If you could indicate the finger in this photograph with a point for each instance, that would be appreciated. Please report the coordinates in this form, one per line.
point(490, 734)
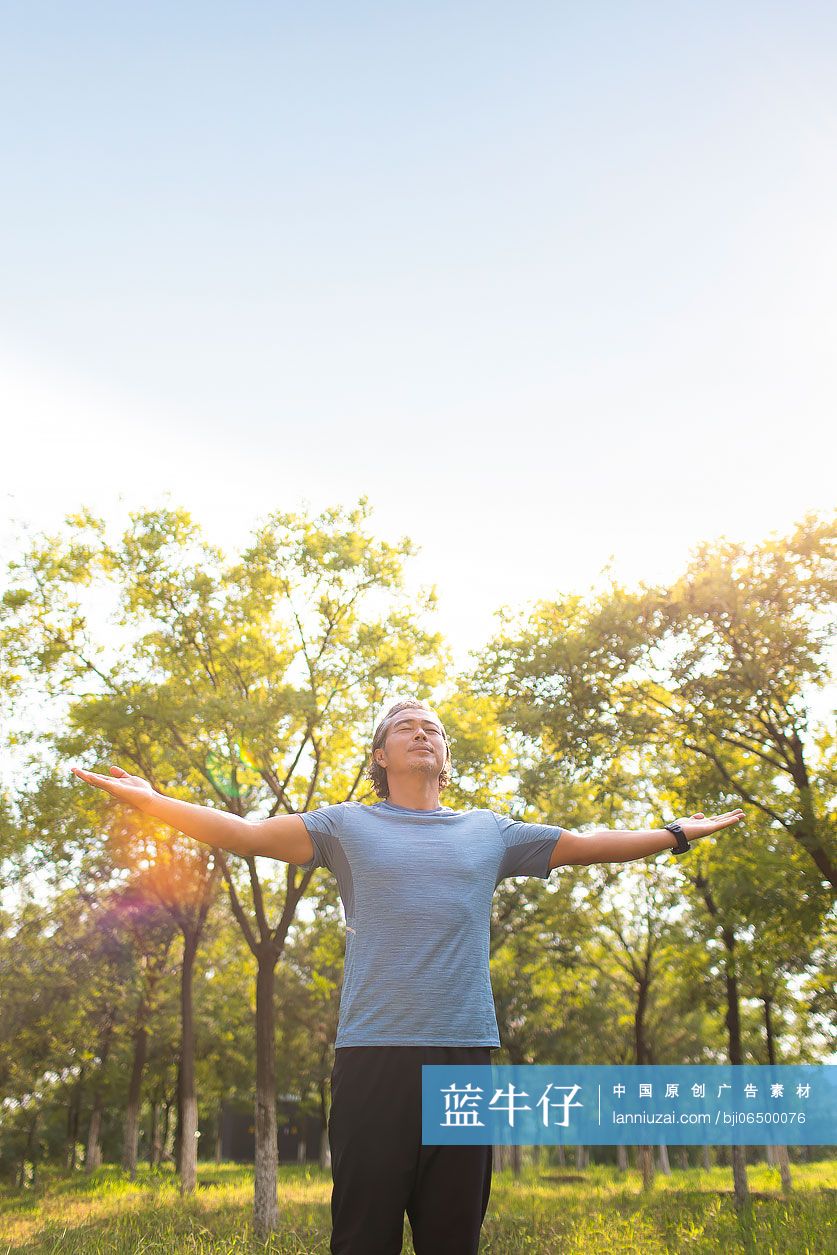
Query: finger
point(117, 771)
point(92, 778)
point(101, 782)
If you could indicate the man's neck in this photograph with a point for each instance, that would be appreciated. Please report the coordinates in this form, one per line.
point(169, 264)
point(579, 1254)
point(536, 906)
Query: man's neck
point(418, 795)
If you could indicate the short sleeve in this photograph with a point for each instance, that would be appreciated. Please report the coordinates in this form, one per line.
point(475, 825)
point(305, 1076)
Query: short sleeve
point(324, 830)
point(528, 847)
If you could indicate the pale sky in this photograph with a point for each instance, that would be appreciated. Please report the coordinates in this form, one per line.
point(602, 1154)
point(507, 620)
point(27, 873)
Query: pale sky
point(553, 284)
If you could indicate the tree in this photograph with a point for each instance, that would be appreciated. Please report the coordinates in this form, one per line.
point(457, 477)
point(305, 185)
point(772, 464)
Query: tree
point(225, 1020)
point(251, 685)
point(310, 993)
point(746, 635)
point(725, 662)
point(150, 933)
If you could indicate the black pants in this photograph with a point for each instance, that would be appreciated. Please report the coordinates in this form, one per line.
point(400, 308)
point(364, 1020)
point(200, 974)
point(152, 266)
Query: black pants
point(380, 1167)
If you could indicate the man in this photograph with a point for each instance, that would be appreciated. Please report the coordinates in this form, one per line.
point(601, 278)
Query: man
point(416, 879)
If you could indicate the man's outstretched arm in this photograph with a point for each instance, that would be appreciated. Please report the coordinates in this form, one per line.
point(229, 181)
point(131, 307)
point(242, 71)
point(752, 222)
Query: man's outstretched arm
point(618, 845)
point(282, 837)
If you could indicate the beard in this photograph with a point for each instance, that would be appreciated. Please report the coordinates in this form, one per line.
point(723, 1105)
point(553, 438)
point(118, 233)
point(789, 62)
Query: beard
point(425, 763)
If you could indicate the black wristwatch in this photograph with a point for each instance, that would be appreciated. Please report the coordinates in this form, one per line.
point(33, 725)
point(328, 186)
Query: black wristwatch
point(682, 844)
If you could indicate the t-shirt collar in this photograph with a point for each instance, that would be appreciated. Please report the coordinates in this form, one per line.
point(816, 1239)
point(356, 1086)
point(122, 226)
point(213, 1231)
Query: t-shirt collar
point(410, 810)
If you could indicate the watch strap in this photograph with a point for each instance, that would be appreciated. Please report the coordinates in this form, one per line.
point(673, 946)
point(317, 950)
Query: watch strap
point(682, 842)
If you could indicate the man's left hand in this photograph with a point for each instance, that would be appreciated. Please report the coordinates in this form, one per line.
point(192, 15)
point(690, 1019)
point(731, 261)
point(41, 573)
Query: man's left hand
point(700, 825)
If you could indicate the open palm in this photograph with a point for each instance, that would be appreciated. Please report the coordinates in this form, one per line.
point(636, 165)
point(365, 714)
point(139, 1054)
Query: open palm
point(127, 788)
point(700, 825)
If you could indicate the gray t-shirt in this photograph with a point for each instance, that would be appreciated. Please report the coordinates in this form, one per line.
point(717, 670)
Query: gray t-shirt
point(417, 888)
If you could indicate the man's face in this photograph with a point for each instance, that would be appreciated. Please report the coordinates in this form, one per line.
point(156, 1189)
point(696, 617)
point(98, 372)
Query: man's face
point(414, 741)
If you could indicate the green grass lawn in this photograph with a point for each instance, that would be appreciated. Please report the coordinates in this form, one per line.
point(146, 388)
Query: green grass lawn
point(549, 1209)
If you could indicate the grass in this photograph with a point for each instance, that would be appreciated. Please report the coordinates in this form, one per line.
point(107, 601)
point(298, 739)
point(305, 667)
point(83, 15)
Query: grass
point(597, 1212)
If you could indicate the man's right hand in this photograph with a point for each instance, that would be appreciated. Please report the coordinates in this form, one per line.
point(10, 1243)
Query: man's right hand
point(283, 837)
point(127, 788)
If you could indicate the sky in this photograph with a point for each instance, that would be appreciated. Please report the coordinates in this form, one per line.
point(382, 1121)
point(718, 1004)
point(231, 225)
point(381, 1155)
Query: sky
point(552, 284)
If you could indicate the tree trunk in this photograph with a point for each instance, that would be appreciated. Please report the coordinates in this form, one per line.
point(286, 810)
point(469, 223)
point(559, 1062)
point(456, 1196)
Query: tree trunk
point(73, 1117)
point(515, 1160)
point(325, 1149)
point(178, 1113)
point(645, 1154)
point(266, 1209)
point(640, 1048)
point(646, 1164)
point(93, 1155)
point(780, 1153)
point(169, 1135)
point(156, 1139)
point(665, 1166)
point(622, 1158)
point(767, 1003)
point(739, 1175)
point(733, 1015)
point(219, 1133)
point(683, 1158)
point(70, 1149)
point(741, 1187)
point(562, 1158)
point(733, 1021)
point(28, 1153)
point(806, 832)
point(132, 1111)
point(707, 1160)
point(188, 1097)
